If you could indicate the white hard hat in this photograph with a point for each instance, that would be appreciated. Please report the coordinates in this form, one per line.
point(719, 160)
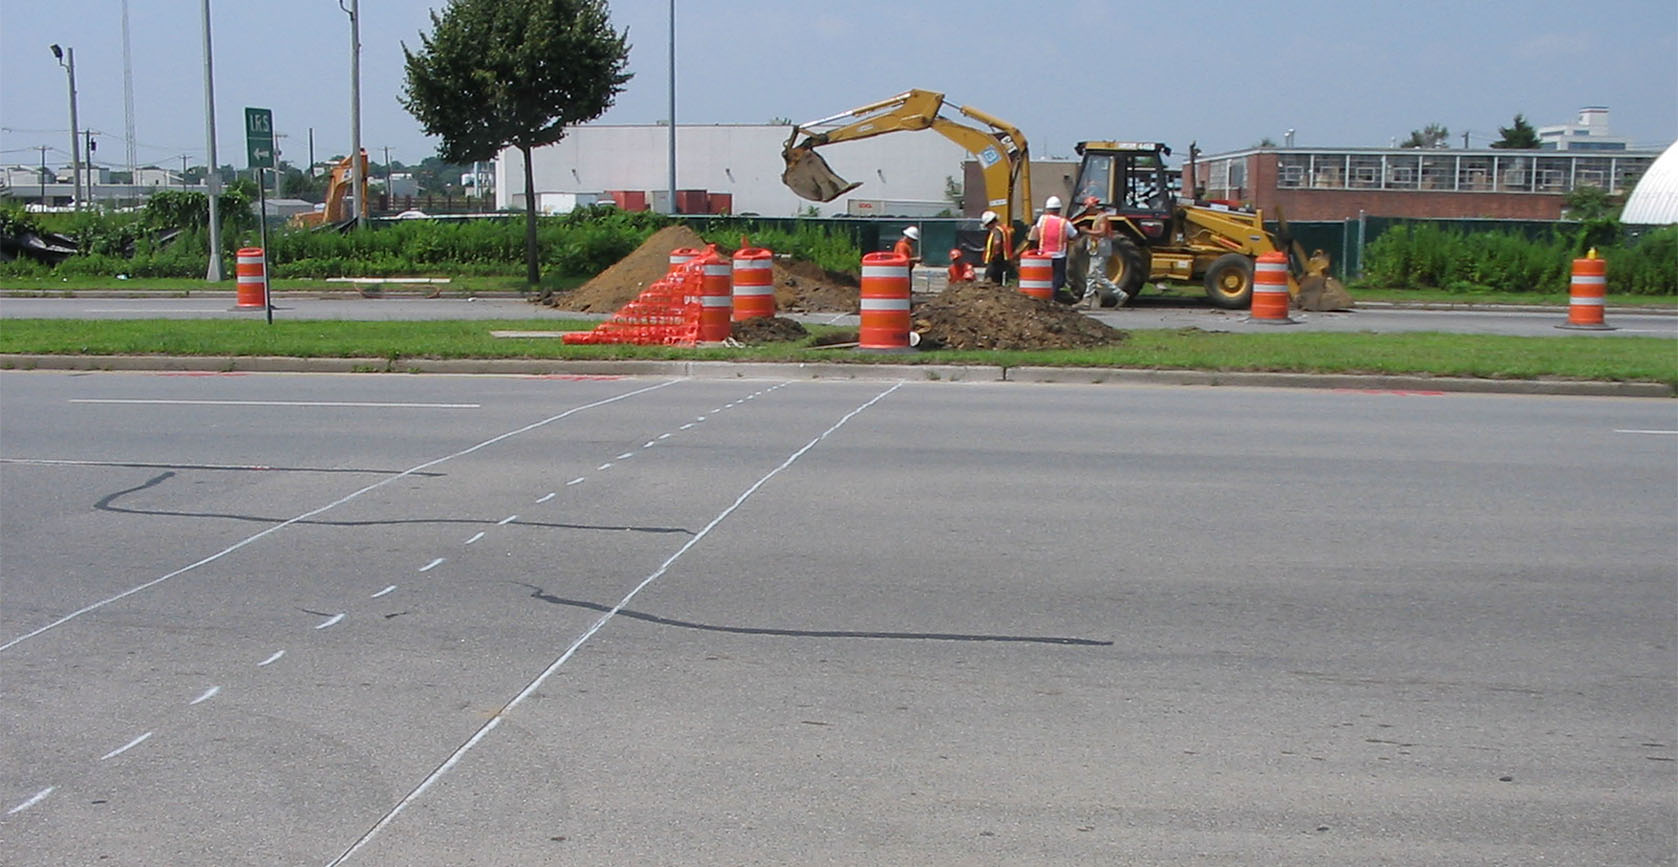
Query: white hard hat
point(987, 218)
point(1053, 204)
point(912, 233)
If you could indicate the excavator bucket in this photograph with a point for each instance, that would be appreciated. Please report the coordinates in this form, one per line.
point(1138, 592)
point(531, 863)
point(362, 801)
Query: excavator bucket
point(808, 175)
point(1318, 289)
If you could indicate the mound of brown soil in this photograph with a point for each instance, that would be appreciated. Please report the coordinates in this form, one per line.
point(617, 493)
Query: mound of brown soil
point(768, 329)
point(799, 285)
point(987, 316)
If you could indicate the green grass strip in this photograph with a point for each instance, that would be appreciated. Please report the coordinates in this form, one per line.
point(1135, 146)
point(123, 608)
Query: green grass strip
point(1565, 356)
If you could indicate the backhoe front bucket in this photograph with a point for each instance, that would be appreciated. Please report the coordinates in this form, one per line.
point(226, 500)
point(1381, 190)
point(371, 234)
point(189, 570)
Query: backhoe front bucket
point(1318, 289)
point(808, 175)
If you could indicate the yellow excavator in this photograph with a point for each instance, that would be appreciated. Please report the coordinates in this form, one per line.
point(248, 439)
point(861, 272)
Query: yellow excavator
point(1000, 148)
point(338, 207)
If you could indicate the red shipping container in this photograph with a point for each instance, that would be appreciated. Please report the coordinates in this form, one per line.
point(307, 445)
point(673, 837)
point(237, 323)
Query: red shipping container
point(629, 200)
point(691, 202)
point(720, 203)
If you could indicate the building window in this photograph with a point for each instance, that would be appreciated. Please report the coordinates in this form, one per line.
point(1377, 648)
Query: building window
point(1439, 172)
point(1292, 170)
point(1551, 174)
point(1364, 172)
point(1514, 174)
point(1401, 172)
point(1328, 172)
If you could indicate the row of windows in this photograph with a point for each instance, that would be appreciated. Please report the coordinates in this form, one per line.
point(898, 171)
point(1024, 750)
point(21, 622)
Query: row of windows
point(1458, 173)
point(1438, 172)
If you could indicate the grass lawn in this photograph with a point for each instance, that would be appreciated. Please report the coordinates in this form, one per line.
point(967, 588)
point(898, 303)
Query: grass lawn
point(1624, 359)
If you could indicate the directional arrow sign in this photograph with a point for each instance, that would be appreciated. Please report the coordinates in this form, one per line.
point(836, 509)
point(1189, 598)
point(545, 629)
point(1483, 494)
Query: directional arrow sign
point(259, 138)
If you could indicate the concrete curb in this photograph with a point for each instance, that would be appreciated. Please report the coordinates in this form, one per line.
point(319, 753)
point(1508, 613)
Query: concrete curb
point(835, 371)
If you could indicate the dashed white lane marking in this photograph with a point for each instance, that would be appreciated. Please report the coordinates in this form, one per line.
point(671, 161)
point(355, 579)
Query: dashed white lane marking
point(208, 694)
point(339, 403)
point(604, 466)
point(663, 436)
point(475, 538)
point(272, 659)
point(126, 747)
point(544, 499)
point(688, 425)
point(483, 732)
point(507, 520)
point(39, 797)
point(575, 481)
point(625, 456)
point(331, 621)
point(332, 505)
point(389, 589)
point(433, 564)
point(1633, 431)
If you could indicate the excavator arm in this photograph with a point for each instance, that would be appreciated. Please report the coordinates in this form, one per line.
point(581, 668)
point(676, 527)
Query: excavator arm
point(1001, 149)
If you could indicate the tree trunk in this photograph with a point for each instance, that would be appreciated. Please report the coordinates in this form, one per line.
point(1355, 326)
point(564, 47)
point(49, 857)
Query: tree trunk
point(532, 270)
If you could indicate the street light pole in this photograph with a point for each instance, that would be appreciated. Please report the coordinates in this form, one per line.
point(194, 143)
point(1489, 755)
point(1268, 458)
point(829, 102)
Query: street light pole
point(212, 181)
point(67, 59)
point(358, 179)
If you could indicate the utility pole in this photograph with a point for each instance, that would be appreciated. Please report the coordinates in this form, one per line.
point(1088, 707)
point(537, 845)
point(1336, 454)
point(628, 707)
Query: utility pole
point(358, 179)
point(128, 109)
point(672, 106)
point(183, 172)
point(43, 175)
point(213, 180)
point(67, 59)
point(390, 200)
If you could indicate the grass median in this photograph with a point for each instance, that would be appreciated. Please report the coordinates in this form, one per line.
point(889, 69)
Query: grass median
point(1582, 357)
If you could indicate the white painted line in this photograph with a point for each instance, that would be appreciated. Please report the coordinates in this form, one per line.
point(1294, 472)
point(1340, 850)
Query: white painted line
point(603, 467)
point(507, 520)
point(546, 497)
point(576, 481)
point(688, 425)
point(530, 688)
point(366, 404)
point(1632, 431)
point(649, 444)
point(331, 621)
point(125, 747)
point(625, 456)
point(332, 505)
point(208, 693)
point(475, 538)
point(271, 659)
point(703, 417)
point(39, 797)
point(433, 564)
point(383, 592)
point(664, 436)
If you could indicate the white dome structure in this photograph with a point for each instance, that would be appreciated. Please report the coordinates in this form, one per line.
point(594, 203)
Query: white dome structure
point(1654, 201)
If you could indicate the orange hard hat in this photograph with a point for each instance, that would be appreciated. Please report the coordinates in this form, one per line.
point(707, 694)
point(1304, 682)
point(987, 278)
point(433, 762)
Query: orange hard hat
point(1091, 201)
point(954, 255)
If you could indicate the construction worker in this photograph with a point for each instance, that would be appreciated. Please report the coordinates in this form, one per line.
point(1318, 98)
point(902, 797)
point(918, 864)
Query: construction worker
point(906, 245)
point(999, 248)
point(1052, 234)
point(1098, 242)
point(960, 272)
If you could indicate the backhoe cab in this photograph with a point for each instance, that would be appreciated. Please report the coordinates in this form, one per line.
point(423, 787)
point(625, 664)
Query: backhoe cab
point(1159, 236)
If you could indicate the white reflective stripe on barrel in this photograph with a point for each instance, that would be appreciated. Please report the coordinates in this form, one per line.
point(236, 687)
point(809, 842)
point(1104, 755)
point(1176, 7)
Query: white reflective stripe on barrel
point(1588, 301)
point(885, 304)
point(753, 290)
point(884, 271)
point(1590, 280)
point(752, 264)
point(715, 301)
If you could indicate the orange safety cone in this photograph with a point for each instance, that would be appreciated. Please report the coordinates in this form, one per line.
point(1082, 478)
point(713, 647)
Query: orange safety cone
point(1270, 290)
point(1037, 275)
point(1587, 294)
point(884, 304)
point(252, 271)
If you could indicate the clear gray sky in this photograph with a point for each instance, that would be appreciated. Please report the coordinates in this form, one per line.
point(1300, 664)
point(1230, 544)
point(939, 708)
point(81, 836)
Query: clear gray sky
point(1226, 74)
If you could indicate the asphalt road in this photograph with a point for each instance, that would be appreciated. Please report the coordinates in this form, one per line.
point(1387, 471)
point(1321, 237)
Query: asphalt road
point(435, 620)
point(1148, 312)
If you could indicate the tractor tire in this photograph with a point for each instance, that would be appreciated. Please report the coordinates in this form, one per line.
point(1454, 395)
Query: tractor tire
point(1229, 282)
point(1129, 269)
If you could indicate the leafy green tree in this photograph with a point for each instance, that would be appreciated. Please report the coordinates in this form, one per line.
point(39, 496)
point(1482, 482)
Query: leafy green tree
point(514, 73)
point(1431, 136)
point(1520, 136)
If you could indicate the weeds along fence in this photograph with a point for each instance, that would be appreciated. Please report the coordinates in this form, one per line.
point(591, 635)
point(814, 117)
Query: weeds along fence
point(1454, 255)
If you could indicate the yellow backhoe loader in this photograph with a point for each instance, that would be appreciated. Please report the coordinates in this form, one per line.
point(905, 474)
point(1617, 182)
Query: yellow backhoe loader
point(1001, 149)
point(1158, 236)
point(338, 207)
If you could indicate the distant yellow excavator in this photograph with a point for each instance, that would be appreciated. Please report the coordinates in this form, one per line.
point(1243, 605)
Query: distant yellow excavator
point(1000, 148)
point(338, 207)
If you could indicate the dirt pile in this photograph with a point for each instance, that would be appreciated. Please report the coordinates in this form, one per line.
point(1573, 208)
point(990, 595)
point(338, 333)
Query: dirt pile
point(987, 316)
point(768, 329)
point(799, 286)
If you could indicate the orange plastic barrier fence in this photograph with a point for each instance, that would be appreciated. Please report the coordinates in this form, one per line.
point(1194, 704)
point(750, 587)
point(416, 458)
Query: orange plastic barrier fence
point(665, 313)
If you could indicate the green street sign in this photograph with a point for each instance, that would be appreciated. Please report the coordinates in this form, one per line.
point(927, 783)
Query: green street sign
point(259, 138)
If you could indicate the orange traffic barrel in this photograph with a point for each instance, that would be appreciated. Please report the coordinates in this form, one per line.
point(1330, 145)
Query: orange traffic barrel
point(681, 256)
point(885, 303)
point(252, 271)
point(1037, 275)
point(1270, 289)
point(754, 283)
point(716, 299)
point(1587, 293)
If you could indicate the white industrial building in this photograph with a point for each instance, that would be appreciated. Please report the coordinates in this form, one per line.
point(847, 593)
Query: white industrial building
point(902, 174)
point(1654, 201)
